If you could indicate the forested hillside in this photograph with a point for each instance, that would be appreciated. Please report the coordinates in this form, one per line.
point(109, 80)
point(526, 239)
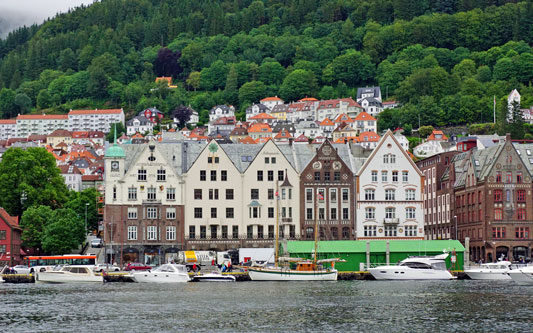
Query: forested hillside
point(444, 60)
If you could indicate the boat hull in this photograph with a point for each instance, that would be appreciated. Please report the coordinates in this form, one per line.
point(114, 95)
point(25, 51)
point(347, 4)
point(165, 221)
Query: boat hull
point(151, 277)
point(57, 277)
point(221, 278)
point(404, 273)
point(485, 275)
point(524, 278)
point(257, 274)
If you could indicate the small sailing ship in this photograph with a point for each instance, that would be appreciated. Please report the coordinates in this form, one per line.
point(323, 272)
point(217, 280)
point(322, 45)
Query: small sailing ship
point(305, 269)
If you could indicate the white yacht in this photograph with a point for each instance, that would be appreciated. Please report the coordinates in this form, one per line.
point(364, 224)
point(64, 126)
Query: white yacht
point(213, 277)
point(490, 271)
point(522, 276)
point(414, 268)
point(69, 274)
point(167, 273)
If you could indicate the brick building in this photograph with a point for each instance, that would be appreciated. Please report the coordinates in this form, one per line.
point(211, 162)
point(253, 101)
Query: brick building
point(10, 232)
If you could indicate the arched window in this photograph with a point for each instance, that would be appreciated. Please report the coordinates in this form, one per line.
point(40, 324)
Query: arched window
point(345, 233)
point(309, 233)
point(334, 233)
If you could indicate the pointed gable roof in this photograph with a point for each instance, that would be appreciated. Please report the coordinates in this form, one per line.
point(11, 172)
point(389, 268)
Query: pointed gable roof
point(343, 118)
point(283, 134)
point(301, 138)
point(326, 122)
point(260, 128)
point(248, 140)
point(363, 116)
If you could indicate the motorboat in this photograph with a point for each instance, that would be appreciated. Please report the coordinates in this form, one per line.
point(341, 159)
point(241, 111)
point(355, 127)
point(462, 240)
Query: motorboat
point(69, 274)
point(522, 276)
point(167, 273)
point(490, 271)
point(214, 276)
point(414, 268)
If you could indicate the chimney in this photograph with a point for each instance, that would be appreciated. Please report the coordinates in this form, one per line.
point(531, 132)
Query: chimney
point(508, 137)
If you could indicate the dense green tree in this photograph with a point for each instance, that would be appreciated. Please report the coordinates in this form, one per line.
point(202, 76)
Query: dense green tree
point(120, 130)
point(193, 80)
point(353, 68)
point(65, 232)
point(30, 178)
point(67, 60)
point(214, 76)
point(7, 103)
point(33, 223)
point(298, 84)
point(83, 202)
point(425, 131)
point(23, 102)
point(252, 92)
point(271, 72)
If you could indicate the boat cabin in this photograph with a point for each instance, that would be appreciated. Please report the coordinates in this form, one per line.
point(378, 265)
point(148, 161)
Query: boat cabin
point(305, 266)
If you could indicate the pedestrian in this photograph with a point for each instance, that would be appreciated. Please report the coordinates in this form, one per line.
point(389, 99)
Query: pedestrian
point(194, 267)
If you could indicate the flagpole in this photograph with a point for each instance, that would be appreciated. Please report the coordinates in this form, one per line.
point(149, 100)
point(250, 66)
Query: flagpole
point(494, 109)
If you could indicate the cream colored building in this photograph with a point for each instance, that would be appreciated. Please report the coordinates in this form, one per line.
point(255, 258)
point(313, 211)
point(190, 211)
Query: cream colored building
point(40, 124)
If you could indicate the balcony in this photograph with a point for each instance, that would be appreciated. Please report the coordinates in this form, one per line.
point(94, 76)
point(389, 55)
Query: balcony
point(286, 220)
point(394, 220)
point(151, 202)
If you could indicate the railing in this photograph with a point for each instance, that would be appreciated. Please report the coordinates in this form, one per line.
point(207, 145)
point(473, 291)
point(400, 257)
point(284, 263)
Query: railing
point(151, 201)
point(286, 219)
point(391, 220)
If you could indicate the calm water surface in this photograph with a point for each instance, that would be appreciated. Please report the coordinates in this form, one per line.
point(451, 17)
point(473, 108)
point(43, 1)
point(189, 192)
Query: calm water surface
point(377, 306)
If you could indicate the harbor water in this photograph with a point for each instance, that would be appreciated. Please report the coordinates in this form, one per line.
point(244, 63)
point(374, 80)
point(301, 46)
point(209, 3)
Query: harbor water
point(377, 306)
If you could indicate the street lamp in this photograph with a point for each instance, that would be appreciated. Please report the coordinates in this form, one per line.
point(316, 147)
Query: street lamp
point(455, 219)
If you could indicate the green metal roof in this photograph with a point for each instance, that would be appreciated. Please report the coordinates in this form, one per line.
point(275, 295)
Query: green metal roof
point(115, 151)
point(420, 246)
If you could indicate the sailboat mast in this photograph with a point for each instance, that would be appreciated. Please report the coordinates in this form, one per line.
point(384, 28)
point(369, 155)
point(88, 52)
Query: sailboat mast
point(316, 225)
point(276, 249)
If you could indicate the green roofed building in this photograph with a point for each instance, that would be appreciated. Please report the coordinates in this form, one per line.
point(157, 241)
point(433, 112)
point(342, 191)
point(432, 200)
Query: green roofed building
point(354, 252)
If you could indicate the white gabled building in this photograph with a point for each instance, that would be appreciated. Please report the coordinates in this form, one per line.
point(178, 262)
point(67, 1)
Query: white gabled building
point(389, 194)
point(139, 124)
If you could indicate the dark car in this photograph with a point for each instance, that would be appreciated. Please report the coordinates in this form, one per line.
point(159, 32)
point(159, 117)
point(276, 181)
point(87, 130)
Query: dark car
point(137, 266)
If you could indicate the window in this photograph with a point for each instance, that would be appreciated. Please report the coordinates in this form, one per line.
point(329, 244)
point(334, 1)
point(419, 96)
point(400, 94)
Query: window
point(292, 231)
point(345, 214)
point(255, 212)
point(498, 177)
point(317, 176)
point(370, 213)
point(333, 213)
point(250, 231)
point(235, 231)
point(395, 176)
point(281, 175)
point(267, 160)
point(229, 194)
point(521, 214)
point(270, 194)
point(390, 231)
point(321, 214)
point(273, 160)
point(374, 176)
point(224, 175)
point(132, 232)
point(259, 175)
point(509, 177)
point(270, 212)
point(132, 193)
point(309, 213)
point(213, 175)
point(508, 195)
point(225, 231)
point(410, 230)
point(161, 175)
point(210, 159)
point(171, 233)
point(213, 194)
point(260, 231)
point(152, 212)
point(498, 214)
point(333, 195)
point(345, 194)
point(390, 213)
point(410, 194)
point(171, 193)
point(197, 194)
point(370, 230)
point(290, 193)
point(171, 213)
point(308, 195)
point(383, 176)
point(213, 230)
point(334, 233)
point(203, 231)
point(410, 213)
point(521, 195)
point(151, 232)
point(390, 194)
point(197, 212)
point(283, 193)
point(213, 212)
point(230, 213)
point(202, 175)
point(114, 193)
point(326, 176)
point(132, 213)
point(270, 175)
point(141, 175)
point(370, 194)
point(386, 159)
point(321, 194)
point(498, 232)
point(151, 193)
point(192, 231)
point(522, 232)
point(336, 176)
point(519, 177)
point(498, 195)
point(345, 233)
point(254, 194)
point(405, 176)
point(389, 158)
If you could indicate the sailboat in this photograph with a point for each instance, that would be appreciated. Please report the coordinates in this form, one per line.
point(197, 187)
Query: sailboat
point(305, 270)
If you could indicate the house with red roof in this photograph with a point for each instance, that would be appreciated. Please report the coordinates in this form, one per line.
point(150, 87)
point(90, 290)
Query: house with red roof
point(72, 176)
point(365, 123)
point(238, 133)
point(260, 130)
point(332, 108)
point(10, 239)
point(437, 135)
point(327, 126)
point(247, 140)
point(167, 80)
point(369, 140)
point(95, 120)
point(271, 102)
point(283, 136)
point(262, 118)
point(302, 139)
point(343, 130)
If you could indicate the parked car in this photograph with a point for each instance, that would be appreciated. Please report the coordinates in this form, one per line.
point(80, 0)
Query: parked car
point(97, 242)
point(106, 268)
point(20, 269)
point(137, 266)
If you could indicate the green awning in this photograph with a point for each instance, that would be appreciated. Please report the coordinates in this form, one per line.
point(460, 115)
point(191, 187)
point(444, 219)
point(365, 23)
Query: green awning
point(345, 246)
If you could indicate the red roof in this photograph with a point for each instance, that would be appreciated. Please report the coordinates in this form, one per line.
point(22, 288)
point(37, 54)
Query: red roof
point(335, 103)
point(283, 134)
point(91, 177)
point(247, 140)
point(60, 133)
point(301, 138)
point(433, 136)
point(326, 122)
point(369, 137)
point(344, 118)
point(8, 121)
point(107, 111)
point(41, 116)
point(271, 99)
point(363, 116)
point(261, 116)
point(12, 221)
point(260, 128)
point(308, 99)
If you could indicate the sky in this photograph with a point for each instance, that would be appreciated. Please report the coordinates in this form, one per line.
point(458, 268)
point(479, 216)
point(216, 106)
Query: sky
point(16, 13)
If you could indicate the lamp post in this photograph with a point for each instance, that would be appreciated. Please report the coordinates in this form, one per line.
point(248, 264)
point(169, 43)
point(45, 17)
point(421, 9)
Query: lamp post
point(455, 219)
